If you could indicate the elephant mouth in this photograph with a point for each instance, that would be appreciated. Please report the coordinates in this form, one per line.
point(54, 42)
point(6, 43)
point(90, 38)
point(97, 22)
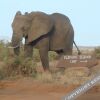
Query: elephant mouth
point(15, 44)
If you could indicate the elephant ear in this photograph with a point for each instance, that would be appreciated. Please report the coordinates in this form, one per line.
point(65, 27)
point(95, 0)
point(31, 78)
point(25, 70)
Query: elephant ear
point(41, 25)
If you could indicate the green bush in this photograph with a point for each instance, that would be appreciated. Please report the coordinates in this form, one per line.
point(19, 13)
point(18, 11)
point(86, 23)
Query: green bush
point(97, 52)
point(2, 74)
point(20, 65)
point(14, 65)
point(52, 55)
point(5, 52)
point(36, 56)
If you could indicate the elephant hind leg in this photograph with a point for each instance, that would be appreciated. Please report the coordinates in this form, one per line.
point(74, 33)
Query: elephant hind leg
point(66, 51)
point(59, 51)
point(69, 43)
point(69, 47)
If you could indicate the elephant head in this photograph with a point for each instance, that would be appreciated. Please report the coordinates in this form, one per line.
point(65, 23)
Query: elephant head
point(32, 26)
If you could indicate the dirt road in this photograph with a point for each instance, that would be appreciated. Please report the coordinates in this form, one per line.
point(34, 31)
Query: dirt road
point(28, 89)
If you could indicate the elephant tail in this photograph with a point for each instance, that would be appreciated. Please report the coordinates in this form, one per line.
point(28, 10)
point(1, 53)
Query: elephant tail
point(79, 52)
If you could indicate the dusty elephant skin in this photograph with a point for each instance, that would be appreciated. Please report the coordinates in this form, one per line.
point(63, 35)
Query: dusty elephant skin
point(42, 31)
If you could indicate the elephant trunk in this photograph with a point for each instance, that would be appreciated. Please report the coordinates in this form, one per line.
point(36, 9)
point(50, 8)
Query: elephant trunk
point(16, 39)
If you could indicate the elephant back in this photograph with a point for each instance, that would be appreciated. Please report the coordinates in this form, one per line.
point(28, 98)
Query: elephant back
point(41, 24)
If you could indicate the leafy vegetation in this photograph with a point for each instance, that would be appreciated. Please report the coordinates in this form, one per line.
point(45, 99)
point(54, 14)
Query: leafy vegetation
point(97, 52)
point(12, 66)
point(18, 65)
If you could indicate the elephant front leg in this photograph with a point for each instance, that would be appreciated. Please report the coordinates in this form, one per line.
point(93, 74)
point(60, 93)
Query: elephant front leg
point(28, 49)
point(44, 58)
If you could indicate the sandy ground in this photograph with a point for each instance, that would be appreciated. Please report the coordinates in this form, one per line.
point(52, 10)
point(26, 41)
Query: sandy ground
point(28, 89)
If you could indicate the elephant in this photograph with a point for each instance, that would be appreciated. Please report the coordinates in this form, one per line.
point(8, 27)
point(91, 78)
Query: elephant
point(46, 32)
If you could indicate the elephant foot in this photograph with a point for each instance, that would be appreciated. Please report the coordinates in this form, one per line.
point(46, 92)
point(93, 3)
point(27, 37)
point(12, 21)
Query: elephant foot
point(47, 70)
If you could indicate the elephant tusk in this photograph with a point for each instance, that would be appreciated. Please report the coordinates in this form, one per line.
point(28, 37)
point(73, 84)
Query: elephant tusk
point(14, 47)
point(11, 47)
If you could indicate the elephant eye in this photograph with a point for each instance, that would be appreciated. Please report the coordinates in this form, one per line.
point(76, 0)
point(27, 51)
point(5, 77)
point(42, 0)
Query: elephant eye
point(22, 28)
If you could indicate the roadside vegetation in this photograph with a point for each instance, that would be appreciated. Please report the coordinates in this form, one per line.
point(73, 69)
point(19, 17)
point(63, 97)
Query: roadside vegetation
point(12, 66)
point(97, 52)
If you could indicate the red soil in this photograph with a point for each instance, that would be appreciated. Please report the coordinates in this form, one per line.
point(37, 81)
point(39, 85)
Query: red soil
point(28, 89)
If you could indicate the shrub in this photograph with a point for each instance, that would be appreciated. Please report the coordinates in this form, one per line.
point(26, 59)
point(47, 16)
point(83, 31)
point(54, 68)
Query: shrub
point(14, 65)
point(2, 73)
point(97, 52)
point(5, 52)
point(20, 66)
point(52, 55)
point(36, 56)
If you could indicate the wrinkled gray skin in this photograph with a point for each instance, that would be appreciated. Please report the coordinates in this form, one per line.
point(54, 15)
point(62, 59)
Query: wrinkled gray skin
point(52, 33)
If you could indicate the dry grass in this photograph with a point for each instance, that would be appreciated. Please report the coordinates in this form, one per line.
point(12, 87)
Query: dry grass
point(11, 66)
point(65, 77)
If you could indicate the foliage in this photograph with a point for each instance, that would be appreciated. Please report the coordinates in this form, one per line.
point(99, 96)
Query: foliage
point(14, 65)
point(3, 50)
point(97, 52)
point(19, 65)
point(52, 55)
point(36, 56)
